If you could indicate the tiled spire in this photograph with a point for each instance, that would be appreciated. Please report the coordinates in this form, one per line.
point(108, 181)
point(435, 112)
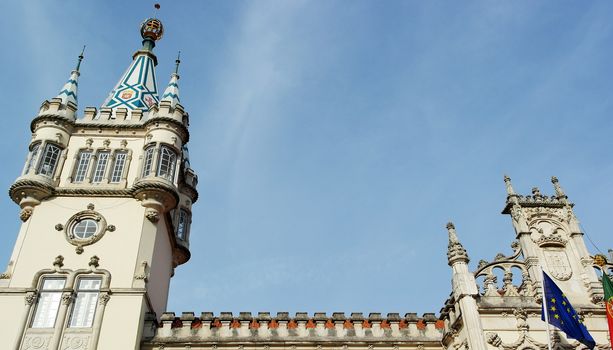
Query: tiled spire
point(172, 90)
point(137, 88)
point(69, 90)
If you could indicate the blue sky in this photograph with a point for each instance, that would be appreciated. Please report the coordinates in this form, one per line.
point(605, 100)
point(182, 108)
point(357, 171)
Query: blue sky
point(335, 139)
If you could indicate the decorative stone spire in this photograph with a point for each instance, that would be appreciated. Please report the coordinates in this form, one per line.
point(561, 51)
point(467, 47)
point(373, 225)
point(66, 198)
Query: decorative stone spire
point(171, 93)
point(455, 250)
point(137, 88)
point(69, 91)
point(509, 186)
point(559, 191)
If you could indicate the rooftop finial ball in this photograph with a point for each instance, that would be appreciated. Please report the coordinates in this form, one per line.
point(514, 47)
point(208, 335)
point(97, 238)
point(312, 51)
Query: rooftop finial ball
point(152, 28)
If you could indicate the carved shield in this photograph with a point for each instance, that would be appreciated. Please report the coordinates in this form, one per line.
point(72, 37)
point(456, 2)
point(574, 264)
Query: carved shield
point(558, 264)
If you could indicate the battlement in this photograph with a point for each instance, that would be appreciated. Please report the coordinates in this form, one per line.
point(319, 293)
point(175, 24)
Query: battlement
point(300, 327)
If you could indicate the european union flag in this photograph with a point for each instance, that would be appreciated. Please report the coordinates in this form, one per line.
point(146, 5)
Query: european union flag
point(562, 315)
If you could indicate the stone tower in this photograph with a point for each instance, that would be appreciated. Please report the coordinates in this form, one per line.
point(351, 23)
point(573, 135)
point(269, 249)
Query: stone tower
point(106, 208)
point(498, 306)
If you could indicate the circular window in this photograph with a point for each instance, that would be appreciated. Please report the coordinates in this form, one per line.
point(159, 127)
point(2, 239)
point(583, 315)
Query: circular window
point(85, 228)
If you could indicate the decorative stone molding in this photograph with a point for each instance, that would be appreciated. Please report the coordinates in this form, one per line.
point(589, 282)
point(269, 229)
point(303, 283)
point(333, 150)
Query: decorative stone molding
point(552, 240)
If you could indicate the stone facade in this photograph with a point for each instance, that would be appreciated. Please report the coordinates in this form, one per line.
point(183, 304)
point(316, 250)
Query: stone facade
point(106, 206)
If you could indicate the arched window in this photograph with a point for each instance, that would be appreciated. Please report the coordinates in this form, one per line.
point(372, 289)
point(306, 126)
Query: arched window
point(103, 159)
point(148, 161)
point(82, 165)
point(120, 162)
point(84, 309)
point(183, 225)
point(166, 164)
point(32, 159)
point(49, 160)
point(48, 302)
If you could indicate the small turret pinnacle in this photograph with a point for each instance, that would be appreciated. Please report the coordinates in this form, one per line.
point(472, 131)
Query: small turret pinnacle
point(509, 186)
point(171, 93)
point(69, 90)
point(455, 250)
point(80, 59)
point(177, 62)
point(559, 191)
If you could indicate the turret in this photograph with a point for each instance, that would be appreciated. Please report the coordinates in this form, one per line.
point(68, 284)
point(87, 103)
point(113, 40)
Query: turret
point(51, 131)
point(550, 237)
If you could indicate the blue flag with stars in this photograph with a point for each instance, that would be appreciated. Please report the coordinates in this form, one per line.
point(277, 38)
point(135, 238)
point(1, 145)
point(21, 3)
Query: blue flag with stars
point(562, 315)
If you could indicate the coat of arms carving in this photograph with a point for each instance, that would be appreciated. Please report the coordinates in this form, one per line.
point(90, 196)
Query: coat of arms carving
point(558, 264)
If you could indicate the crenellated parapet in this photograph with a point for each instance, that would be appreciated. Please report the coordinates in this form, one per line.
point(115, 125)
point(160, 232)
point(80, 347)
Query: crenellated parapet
point(318, 329)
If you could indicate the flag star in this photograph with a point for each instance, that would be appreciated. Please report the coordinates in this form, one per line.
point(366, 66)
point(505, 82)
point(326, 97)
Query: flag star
point(553, 300)
point(553, 308)
point(567, 309)
point(563, 302)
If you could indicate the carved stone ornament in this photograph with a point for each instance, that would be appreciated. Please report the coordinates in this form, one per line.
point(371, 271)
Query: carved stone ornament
point(58, 261)
point(36, 342)
point(493, 339)
point(67, 298)
point(75, 342)
point(482, 263)
point(143, 272)
point(558, 264)
point(30, 298)
point(9, 271)
point(94, 261)
point(25, 214)
point(152, 215)
point(104, 298)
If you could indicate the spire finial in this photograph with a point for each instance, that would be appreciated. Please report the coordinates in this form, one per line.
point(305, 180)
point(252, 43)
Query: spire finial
point(453, 237)
point(509, 186)
point(455, 250)
point(559, 191)
point(80, 59)
point(177, 62)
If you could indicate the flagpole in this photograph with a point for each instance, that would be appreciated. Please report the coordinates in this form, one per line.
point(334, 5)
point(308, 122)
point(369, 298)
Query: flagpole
point(545, 311)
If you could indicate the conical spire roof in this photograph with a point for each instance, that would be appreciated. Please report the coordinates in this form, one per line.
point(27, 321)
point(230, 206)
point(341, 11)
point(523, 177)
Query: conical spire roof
point(172, 90)
point(137, 87)
point(68, 93)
